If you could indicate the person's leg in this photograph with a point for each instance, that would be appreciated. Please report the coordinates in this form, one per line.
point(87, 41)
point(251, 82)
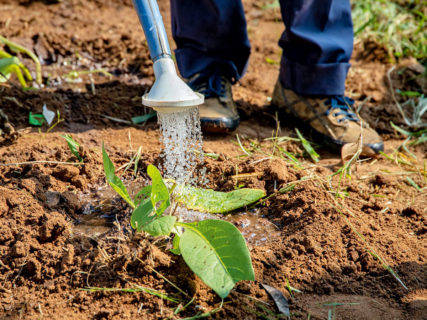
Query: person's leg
point(317, 46)
point(210, 34)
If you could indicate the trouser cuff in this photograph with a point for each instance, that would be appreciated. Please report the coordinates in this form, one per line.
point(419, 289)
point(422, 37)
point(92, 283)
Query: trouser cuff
point(318, 79)
point(191, 61)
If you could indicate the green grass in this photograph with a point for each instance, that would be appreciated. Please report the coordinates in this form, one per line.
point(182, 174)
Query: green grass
point(398, 25)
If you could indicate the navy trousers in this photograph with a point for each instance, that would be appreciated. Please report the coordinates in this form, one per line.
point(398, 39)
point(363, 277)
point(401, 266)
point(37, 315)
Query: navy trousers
point(317, 42)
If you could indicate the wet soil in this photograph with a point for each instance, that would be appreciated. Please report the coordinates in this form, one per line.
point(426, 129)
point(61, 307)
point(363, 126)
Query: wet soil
point(51, 247)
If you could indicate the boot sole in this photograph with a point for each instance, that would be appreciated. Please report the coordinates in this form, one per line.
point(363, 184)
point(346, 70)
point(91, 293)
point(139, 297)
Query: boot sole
point(221, 125)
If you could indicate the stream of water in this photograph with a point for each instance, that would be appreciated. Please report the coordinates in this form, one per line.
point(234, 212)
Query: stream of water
point(182, 145)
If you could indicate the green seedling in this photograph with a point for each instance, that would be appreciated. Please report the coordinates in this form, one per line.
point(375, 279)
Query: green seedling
point(291, 289)
point(58, 121)
point(214, 250)
point(73, 145)
point(17, 48)
point(307, 146)
point(12, 65)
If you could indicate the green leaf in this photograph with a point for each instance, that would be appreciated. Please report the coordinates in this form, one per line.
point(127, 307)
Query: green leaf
point(175, 243)
point(142, 194)
point(142, 219)
point(142, 215)
point(73, 145)
point(9, 65)
point(160, 226)
point(159, 191)
point(216, 252)
point(113, 180)
point(207, 200)
point(307, 146)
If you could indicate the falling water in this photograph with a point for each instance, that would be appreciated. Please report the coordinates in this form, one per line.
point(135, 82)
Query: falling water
point(182, 140)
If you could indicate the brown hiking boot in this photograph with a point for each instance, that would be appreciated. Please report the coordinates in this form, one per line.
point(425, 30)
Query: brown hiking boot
point(219, 112)
point(331, 119)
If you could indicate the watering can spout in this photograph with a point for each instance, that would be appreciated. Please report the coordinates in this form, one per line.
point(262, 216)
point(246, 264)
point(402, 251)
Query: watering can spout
point(169, 92)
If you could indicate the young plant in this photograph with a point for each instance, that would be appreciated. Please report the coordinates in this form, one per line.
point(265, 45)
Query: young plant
point(17, 48)
point(214, 250)
point(12, 65)
point(73, 145)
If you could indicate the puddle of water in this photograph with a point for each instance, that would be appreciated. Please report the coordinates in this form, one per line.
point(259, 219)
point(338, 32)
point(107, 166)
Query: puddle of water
point(101, 206)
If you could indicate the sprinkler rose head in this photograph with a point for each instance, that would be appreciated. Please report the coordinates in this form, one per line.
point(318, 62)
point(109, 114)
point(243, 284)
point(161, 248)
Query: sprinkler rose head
point(169, 92)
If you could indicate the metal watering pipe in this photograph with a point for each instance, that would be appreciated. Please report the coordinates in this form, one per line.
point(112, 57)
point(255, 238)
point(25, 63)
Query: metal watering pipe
point(169, 93)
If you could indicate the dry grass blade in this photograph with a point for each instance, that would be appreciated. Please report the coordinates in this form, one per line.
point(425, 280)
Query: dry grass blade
point(132, 290)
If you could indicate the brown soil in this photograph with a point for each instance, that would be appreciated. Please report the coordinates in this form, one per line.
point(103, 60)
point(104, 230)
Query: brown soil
point(45, 262)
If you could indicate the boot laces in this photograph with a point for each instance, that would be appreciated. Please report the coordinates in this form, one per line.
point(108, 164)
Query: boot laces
point(211, 85)
point(343, 104)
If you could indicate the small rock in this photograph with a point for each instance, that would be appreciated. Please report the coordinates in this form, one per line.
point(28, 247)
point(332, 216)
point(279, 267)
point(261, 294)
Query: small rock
point(66, 173)
point(68, 257)
point(20, 249)
point(354, 255)
point(52, 198)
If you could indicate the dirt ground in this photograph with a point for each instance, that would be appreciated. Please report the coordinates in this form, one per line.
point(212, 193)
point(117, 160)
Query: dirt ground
point(322, 245)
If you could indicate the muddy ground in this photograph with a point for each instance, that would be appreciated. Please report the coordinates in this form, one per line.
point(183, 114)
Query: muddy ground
point(48, 253)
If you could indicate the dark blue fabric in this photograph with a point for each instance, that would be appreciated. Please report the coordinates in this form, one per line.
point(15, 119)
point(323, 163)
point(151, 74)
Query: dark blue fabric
point(317, 43)
point(210, 34)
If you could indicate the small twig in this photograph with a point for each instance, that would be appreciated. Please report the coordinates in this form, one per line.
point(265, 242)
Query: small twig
point(39, 162)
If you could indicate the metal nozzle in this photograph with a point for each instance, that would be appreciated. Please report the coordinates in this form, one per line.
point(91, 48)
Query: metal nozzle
point(169, 92)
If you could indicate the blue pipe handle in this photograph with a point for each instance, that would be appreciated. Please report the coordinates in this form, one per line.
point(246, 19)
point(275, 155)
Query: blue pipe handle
point(154, 29)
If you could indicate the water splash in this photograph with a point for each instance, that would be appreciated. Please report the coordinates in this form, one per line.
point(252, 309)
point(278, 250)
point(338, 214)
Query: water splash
point(182, 140)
